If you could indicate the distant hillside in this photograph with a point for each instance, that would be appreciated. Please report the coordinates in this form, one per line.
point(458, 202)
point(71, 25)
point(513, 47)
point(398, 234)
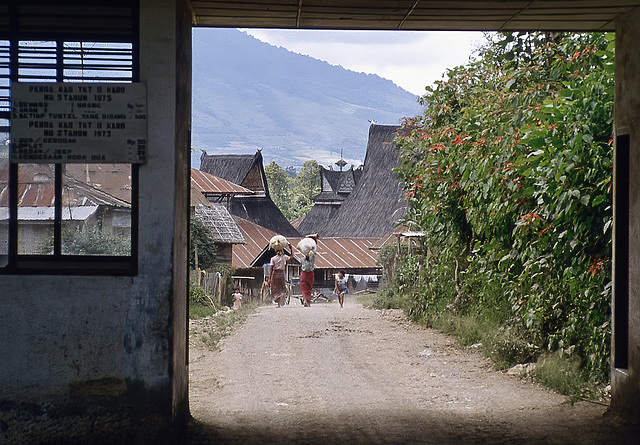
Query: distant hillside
point(248, 94)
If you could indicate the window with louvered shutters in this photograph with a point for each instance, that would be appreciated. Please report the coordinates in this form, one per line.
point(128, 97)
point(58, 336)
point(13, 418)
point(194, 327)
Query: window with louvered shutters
point(66, 218)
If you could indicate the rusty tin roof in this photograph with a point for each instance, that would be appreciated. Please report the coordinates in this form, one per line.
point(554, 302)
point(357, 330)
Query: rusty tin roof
point(213, 185)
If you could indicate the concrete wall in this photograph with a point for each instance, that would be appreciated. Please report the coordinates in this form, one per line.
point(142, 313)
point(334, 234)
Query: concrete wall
point(625, 374)
point(59, 330)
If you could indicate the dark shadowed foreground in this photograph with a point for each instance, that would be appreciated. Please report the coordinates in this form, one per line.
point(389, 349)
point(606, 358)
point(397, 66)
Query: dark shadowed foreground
point(328, 375)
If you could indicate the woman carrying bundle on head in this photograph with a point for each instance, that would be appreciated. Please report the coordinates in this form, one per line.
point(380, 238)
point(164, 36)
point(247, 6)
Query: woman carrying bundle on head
point(308, 247)
point(277, 268)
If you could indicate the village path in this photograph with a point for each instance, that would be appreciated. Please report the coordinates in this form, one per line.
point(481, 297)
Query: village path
point(324, 375)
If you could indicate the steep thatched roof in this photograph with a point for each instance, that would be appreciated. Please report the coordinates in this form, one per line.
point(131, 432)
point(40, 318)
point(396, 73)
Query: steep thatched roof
point(262, 211)
point(223, 228)
point(244, 170)
point(378, 201)
point(248, 171)
point(336, 186)
point(318, 217)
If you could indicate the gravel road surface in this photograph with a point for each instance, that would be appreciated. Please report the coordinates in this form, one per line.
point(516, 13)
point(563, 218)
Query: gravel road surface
point(324, 375)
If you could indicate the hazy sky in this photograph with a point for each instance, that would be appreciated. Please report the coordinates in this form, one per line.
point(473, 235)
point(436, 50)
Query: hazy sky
point(411, 59)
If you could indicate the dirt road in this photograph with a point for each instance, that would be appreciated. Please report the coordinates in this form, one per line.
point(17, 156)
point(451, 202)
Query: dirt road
point(324, 375)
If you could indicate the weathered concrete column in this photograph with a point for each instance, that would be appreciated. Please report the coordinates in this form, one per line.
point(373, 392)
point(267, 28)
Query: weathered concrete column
point(165, 66)
point(625, 366)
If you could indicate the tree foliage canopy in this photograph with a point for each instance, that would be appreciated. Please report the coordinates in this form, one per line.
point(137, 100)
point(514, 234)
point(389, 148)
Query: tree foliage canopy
point(202, 242)
point(508, 171)
point(293, 195)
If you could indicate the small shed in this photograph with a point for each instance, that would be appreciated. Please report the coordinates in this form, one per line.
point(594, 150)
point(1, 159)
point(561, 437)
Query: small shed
point(224, 230)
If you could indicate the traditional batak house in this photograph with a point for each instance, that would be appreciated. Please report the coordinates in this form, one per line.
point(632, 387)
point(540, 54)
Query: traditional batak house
point(359, 206)
point(335, 187)
point(248, 171)
point(378, 200)
point(365, 202)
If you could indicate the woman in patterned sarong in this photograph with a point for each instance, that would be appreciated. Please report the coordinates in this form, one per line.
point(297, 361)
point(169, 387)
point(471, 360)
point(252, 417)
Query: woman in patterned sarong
point(276, 277)
point(306, 279)
point(308, 248)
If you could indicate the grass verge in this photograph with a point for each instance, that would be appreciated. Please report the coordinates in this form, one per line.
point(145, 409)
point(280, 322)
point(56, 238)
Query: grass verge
point(212, 328)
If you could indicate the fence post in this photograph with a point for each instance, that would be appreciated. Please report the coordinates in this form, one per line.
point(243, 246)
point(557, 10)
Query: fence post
point(219, 288)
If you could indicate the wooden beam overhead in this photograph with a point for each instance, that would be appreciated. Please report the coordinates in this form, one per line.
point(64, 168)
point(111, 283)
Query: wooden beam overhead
point(465, 15)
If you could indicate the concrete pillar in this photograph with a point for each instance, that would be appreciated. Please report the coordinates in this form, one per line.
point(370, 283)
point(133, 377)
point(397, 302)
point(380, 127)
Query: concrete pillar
point(165, 66)
point(625, 370)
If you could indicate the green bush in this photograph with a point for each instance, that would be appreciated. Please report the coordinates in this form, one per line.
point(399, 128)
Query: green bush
point(197, 293)
point(563, 374)
point(202, 242)
point(200, 304)
point(508, 172)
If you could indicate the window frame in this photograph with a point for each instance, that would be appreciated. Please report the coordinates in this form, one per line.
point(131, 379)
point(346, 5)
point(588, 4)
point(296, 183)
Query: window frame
point(59, 263)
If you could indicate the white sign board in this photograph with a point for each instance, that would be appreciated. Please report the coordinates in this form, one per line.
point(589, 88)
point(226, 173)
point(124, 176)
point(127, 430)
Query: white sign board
point(78, 123)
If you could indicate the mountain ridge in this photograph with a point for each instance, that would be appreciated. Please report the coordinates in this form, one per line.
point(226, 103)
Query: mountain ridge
point(250, 95)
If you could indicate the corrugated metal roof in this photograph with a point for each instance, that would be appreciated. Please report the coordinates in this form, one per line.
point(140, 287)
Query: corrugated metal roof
point(333, 253)
point(296, 222)
point(113, 179)
point(342, 253)
point(256, 238)
point(213, 185)
point(80, 213)
point(84, 184)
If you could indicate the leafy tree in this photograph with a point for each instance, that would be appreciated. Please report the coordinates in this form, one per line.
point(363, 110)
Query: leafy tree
point(202, 240)
point(279, 187)
point(293, 196)
point(508, 171)
point(307, 181)
point(306, 185)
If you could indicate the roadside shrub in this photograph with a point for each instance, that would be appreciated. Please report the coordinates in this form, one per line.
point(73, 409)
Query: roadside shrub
point(200, 304)
point(202, 245)
point(562, 373)
point(197, 293)
point(508, 172)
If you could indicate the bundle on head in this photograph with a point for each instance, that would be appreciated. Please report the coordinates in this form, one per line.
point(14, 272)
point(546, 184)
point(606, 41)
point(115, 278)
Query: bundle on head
point(278, 242)
point(307, 246)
